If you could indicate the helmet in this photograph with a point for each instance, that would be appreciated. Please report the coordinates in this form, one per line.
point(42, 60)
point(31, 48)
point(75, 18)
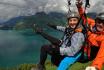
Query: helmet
point(72, 15)
point(100, 16)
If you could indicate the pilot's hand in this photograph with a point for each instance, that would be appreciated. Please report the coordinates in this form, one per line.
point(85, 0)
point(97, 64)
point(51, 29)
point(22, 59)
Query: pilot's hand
point(37, 29)
point(79, 3)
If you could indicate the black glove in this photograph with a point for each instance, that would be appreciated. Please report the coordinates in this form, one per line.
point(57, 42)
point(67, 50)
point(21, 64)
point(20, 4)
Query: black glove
point(79, 3)
point(37, 29)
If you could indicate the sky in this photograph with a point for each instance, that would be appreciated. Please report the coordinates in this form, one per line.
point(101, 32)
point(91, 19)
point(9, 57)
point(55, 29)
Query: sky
point(14, 8)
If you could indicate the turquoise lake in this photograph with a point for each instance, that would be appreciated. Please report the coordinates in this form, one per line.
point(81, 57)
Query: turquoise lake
point(22, 46)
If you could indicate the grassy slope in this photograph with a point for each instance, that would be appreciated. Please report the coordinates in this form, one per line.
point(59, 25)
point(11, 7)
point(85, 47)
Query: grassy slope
point(49, 66)
point(76, 66)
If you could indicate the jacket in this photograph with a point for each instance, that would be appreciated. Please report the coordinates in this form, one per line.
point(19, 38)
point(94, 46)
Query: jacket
point(71, 45)
point(94, 39)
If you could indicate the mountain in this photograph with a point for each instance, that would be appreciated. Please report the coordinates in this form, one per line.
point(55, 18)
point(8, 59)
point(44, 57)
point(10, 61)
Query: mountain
point(39, 18)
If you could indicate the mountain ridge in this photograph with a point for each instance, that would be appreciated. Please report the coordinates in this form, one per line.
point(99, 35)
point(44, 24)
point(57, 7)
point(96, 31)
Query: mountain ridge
point(40, 18)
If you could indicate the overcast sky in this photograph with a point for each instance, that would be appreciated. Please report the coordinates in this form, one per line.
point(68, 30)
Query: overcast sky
point(13, 8)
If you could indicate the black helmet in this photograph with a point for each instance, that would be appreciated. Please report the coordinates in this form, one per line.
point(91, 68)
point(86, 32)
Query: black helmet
point(72, 15)
point(100, 16)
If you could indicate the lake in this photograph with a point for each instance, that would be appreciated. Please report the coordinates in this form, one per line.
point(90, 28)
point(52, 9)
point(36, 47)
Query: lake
point(22, 46)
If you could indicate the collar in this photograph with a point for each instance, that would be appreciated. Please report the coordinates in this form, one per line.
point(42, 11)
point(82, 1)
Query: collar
point(99, 33)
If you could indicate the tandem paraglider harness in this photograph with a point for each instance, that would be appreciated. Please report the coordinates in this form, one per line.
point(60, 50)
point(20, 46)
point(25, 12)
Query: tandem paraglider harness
point(85, 57)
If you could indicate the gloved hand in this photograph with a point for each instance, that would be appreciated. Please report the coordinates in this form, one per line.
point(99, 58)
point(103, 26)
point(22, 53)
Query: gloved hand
point(37, 29)
point(79, 3)
point(91, 68)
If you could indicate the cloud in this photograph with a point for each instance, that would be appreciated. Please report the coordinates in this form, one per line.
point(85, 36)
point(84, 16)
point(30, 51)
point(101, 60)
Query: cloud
point(97, 6)
point(13, 8)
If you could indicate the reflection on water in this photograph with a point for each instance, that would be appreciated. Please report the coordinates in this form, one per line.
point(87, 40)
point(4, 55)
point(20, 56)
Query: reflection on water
point(18, 47)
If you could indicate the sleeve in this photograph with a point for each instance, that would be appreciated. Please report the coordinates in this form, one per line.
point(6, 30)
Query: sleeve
point(99, 60)
point(61, 28)
point(52, 39)
point(90, 21)
point(77, 41)
point(82, 14)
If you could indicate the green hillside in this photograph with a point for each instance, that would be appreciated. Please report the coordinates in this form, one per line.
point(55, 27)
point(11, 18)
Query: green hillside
point(49, 66)
point(40, 19)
